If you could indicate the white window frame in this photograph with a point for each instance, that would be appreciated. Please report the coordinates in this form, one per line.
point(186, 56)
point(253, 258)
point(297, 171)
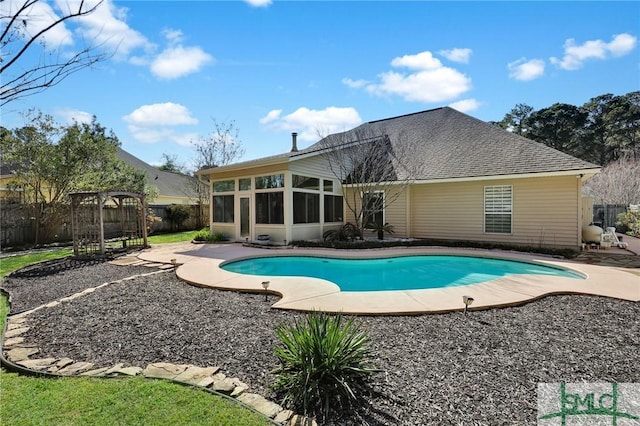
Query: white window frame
point(495, 202)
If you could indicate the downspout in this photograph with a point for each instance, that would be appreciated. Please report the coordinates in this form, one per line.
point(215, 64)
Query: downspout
point(207, 181)
point(580, 212)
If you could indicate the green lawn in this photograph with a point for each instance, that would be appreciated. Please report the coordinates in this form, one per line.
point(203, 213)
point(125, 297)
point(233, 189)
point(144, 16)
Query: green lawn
point(175, 237)
point(91, 401)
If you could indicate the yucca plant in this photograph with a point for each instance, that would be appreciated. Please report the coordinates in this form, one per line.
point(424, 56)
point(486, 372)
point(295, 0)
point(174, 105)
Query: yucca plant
point(325, 363)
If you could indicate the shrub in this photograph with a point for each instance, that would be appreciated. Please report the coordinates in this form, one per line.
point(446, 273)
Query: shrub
point(380, 229)
point(208, 236)
point(371, 244)
point(347, 232)
point(631, 220)
point(324, 364)
point(177, 215)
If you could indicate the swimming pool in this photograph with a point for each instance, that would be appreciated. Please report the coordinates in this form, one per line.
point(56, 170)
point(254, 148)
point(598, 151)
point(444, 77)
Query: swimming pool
point(394, 273)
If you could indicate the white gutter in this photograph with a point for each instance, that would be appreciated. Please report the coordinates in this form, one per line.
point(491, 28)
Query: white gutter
point(578, 173)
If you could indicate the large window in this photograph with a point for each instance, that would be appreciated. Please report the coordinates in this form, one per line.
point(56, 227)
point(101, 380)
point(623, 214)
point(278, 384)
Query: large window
point(272, 181)
point(223, 208)
point(498, 209)
point(306, 207)
point(224, 186)
point(270, 208)
point(245, 184)
point(333, 208)
point(305, 182)
point(373, 209)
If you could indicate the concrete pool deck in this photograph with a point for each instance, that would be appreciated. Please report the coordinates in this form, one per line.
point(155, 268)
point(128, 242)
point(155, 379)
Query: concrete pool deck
point(199, 265)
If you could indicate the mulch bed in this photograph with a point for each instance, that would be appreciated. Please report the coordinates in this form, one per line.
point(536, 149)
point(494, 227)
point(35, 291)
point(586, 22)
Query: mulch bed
point(436, 369)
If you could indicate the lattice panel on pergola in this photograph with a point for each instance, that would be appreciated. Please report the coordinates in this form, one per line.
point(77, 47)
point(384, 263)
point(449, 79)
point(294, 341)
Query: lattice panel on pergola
point(107, 221)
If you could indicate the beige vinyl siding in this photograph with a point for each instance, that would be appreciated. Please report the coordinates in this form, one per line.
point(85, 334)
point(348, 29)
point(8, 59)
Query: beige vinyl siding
point(395, 213)
point(545, 211)
point(227, 229)
point(313, 166)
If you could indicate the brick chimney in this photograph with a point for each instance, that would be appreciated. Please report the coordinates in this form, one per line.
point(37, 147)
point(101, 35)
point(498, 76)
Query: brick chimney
point(294, 142)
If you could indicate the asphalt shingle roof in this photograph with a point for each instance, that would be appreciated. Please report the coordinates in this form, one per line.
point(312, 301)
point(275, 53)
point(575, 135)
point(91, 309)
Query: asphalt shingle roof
point(450, 144)
point(168, 184)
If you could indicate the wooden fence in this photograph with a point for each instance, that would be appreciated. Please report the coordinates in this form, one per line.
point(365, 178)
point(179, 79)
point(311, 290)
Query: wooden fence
point(18, 226)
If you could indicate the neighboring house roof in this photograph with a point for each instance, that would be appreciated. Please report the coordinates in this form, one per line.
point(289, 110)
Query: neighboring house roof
point(168, 184)
point(449, 145)
point(7, 170)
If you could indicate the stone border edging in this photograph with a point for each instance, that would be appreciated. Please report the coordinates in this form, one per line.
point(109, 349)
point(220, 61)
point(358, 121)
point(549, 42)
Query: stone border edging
point(208, 379)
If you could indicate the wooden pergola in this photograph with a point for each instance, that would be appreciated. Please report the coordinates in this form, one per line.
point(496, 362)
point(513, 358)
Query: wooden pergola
point(105, 221)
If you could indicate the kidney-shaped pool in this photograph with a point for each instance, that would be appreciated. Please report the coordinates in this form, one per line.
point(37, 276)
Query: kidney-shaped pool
point(415, 272)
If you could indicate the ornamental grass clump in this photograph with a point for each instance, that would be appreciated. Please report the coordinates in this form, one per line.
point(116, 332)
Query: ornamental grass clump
point(325, 363)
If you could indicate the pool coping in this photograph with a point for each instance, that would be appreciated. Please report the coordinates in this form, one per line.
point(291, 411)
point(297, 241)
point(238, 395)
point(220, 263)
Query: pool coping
point(199, 265)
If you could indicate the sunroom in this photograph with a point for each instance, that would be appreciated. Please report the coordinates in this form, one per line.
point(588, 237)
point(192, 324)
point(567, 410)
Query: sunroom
point(274, 204)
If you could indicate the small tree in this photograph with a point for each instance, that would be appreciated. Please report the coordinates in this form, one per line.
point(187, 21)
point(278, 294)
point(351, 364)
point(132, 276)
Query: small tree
point(373, 170)
point(219, 148)
point(177, 215)
point(171, 164)
point(617, 183)
point(50, 161)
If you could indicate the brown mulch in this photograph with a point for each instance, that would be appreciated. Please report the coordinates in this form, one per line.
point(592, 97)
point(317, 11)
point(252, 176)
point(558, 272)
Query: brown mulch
point(436, 369)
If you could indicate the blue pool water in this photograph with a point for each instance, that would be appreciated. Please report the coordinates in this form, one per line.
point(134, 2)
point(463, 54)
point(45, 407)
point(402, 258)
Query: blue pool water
point(395, 273)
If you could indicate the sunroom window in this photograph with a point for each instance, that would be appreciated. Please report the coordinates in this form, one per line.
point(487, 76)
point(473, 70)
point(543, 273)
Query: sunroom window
point(223, 208)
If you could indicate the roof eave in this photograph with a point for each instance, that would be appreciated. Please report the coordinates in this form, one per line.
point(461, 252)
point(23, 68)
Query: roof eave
point(578, 173)
point(243, 166)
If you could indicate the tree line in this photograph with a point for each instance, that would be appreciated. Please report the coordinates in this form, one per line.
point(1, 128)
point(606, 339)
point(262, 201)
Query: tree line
point(603, 130)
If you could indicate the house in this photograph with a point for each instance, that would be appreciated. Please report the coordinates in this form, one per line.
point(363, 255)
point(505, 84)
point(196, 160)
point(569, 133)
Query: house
point(6, 176)
point(173, 188)
point(472, 181)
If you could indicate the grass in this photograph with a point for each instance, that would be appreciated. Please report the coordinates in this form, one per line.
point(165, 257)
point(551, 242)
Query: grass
point(13, 263)
point(91, 401)
point(175, 237)
point(131, 401)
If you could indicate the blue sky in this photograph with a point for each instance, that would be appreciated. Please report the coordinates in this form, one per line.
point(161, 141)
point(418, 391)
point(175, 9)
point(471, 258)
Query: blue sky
point(275, 67)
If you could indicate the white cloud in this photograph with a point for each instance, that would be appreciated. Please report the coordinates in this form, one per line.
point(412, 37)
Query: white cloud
point(526, 70)
point(37, 17)
point(106, 27)
point(70, 115)
point(178, 61)
point(310, 124)
point(164, 114)
point(154, 123)
point(173, 36)
point(466, 105)
point(420, 61)
point(429, 81)
point(575, 55)
point(258, 3)
point(457, 55)
point(622, 44)
point(354, 84)
point(273, 115)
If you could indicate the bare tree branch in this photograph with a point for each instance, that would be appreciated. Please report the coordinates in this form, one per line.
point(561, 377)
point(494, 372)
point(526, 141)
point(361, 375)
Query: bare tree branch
point(367, 162)
point(27, 79)
point(617, 183)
